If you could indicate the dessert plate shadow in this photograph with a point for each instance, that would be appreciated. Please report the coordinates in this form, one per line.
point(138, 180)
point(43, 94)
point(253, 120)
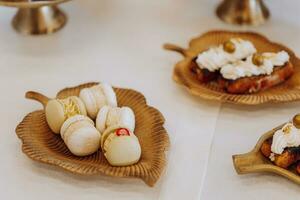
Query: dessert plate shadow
point(255, 161)
point(285, 92)
point(40, 144)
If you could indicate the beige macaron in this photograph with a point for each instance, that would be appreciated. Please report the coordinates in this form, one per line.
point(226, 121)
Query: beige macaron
point(59, 110)
point(115, 116)
point(96, 97)
point(80, 135)
point(120, 146)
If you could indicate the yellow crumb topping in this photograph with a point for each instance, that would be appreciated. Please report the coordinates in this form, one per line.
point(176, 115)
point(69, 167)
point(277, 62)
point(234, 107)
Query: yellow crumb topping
point(71, 108)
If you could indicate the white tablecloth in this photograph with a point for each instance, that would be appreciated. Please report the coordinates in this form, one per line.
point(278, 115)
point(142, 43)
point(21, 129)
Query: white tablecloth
point(119, 41)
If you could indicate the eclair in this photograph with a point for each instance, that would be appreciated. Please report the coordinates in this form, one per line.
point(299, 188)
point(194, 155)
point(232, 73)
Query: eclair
point(59, 110)
point(80, 135)
point(108, 116)
point(120, 146)
point(96, 97)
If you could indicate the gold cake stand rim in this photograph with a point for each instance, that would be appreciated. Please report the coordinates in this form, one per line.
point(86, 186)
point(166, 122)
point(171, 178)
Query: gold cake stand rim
point(28, 4)
point(37, 17)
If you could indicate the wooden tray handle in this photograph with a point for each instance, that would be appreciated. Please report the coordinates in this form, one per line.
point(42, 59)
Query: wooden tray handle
point(247, 163)
point(37, 97)
point(175, 48)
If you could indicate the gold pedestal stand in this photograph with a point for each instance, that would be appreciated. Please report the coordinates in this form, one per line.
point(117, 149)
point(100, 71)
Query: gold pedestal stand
point(249, 12)
point(37, 17)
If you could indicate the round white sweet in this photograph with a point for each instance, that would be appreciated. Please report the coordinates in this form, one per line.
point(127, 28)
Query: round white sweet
point(123, 117)
point(99, 96)
point(84, 141)
point(73, 120)
point(110, 94)
point(55, 115)
point(108, 117)
point(80, 135)
point(122, 150)
point(101, 119)
point(87, 97)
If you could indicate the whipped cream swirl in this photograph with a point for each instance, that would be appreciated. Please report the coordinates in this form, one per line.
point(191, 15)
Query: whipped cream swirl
point(246, 68)
point(288, 136)
point(214, 58)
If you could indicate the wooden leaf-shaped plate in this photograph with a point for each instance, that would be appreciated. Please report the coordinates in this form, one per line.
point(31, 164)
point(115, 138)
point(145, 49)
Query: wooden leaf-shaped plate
point(40, 144)
point(255, 161)
point(285, 92)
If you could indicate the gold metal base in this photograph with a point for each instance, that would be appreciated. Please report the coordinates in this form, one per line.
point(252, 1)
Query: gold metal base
point(40, 20)
point(249, 12)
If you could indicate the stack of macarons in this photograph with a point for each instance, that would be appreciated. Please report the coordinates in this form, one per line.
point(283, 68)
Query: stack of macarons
point(113, 129)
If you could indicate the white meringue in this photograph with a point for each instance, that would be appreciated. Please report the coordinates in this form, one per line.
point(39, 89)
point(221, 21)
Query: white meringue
point(288, 136)
point(216, 57)
point(246, 68)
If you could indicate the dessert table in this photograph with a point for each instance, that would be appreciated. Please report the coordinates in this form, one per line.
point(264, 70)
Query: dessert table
point(120, 42)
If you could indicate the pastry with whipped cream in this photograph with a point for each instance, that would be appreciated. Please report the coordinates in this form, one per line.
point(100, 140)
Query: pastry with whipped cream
point(59, 110)
point(208, 63)
point(120, 146)
point(115, 116)
point(80, 135)
point(284, 147)
point(96, 97)
point(258, 72)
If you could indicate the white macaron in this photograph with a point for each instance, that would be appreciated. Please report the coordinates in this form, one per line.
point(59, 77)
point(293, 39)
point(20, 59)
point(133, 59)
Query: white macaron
point(96, 97)
point(115, 116)
point(59, 110)
point(120, 146)
point(80, 135)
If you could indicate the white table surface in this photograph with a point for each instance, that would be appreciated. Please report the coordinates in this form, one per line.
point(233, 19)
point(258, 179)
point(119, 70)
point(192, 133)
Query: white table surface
point(119, 41)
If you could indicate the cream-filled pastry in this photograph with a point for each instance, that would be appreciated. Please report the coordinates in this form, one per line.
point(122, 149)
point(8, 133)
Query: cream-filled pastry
point(288, 136)
point(108, 116)
point(283, 149)
point(257, 73)
point(80, 135)
point(120, 146)
point(96, 97)
point(255, 65)
point(59, 110)
point(231, 51)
